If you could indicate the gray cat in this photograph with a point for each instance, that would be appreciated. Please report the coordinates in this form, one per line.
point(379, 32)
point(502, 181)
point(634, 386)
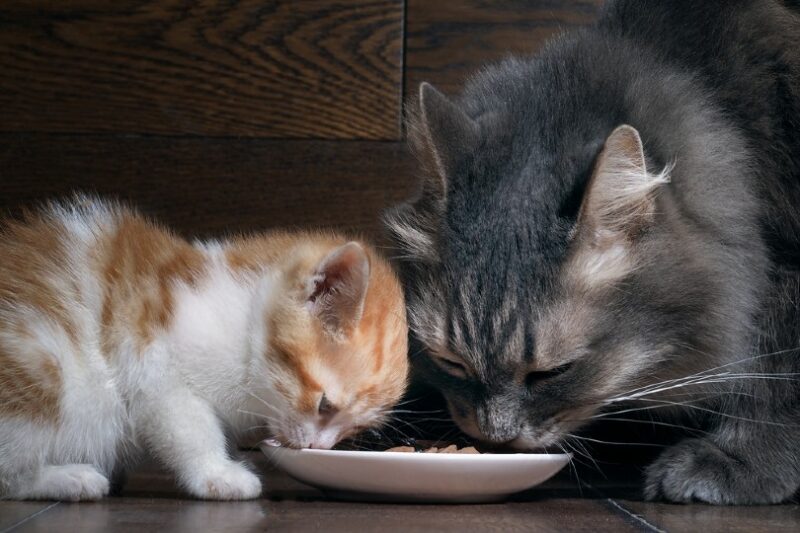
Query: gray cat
point(612, 226)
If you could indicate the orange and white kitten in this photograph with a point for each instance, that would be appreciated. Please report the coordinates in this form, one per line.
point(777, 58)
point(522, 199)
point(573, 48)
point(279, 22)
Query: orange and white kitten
point(116, 336)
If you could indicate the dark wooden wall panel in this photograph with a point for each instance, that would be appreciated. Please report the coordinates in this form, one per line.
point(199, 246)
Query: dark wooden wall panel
point(221, 116)
point(447, 41)
point(255, 68)
point(213, 186)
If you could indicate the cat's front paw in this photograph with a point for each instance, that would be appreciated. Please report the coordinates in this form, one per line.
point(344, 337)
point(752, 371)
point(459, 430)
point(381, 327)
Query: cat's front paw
point(698, 470)
point(229, 481)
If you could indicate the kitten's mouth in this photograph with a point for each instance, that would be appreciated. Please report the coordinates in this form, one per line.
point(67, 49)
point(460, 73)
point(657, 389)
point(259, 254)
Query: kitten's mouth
point(282, 441)
point(322, 439)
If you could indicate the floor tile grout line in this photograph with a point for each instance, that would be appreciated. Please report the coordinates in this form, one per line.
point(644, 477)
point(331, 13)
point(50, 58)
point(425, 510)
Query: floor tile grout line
point(619, 507)
point(634, 516)
point(34, 515)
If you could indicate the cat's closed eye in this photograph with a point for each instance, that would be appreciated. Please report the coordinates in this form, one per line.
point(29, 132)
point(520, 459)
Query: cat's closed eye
point(539, 376)
point(451, 366)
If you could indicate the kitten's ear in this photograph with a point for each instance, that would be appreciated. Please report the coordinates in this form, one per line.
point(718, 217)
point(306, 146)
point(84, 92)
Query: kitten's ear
point(620, 198)
point(338, 288)
point(443, 136)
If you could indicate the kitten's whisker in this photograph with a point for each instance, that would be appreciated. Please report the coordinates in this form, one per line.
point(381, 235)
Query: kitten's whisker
point(411, 411)
point(402, 433)
point(258, 398)
point(260, 415)
point(420, 420)
point(407, 424)
point(251, 428)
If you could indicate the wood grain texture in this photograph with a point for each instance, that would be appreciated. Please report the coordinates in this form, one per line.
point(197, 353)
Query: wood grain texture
point(718, 519)
point(151, 501)
point(13, 514)
point(141, 514)
point(255, 68)
point(448, 41)
point(214, 186)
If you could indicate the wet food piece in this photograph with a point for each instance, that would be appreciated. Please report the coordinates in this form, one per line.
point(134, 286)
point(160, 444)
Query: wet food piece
point(433, 449)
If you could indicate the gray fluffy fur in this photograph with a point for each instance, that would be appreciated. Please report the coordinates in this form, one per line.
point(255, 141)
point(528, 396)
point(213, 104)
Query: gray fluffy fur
point(712, 87)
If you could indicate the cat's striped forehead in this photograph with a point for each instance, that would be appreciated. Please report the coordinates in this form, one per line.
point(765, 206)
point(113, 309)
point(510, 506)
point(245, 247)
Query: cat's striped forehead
point(489, 329)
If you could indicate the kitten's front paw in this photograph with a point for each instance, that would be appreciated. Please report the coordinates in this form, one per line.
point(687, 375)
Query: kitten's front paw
point(74, 482)
point(697, 470)
point(229, 481)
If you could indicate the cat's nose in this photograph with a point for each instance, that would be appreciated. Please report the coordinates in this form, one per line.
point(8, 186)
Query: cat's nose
point(498, 422)
point(499, 435)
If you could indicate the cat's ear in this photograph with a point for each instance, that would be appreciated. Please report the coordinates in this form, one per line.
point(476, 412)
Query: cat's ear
point(338, 288)
point(443, 135)
point(620, 197)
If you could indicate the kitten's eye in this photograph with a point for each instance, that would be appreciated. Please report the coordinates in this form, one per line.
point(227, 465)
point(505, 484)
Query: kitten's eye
point(326, 409)
point(452, 367)
point(539, 376)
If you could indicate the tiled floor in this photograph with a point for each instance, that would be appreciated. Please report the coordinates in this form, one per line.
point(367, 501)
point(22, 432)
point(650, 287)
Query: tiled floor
point(151, 503)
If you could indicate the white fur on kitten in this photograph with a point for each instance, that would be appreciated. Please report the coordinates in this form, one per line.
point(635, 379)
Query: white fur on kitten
point(116, 337)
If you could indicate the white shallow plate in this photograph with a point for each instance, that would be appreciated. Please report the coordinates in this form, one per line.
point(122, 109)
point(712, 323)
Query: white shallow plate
point(403, 476)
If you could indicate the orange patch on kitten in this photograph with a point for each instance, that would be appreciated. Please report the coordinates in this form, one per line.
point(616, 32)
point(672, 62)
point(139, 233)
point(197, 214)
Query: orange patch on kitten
point(29, 249)
point(140, 266)
point(27, 391)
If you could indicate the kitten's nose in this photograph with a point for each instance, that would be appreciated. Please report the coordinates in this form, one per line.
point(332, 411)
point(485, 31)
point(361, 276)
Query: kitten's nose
point(324, 439)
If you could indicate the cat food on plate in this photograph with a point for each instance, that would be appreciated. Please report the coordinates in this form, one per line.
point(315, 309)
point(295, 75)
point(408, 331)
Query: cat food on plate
point(435, 474)
point(453, 448)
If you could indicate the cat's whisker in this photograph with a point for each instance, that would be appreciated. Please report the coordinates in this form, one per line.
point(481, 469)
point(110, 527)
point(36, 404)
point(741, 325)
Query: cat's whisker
point(585, 453)
point(598, 441)
point(573, 459)
point(705, 380)
point(688, 405)
point(655, 423)
point(573, 468)
point(727, 415)
point(704, 373)
point(645, 408)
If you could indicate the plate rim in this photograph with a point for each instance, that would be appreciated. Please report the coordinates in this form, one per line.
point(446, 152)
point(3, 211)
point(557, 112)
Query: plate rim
point(266, 447)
